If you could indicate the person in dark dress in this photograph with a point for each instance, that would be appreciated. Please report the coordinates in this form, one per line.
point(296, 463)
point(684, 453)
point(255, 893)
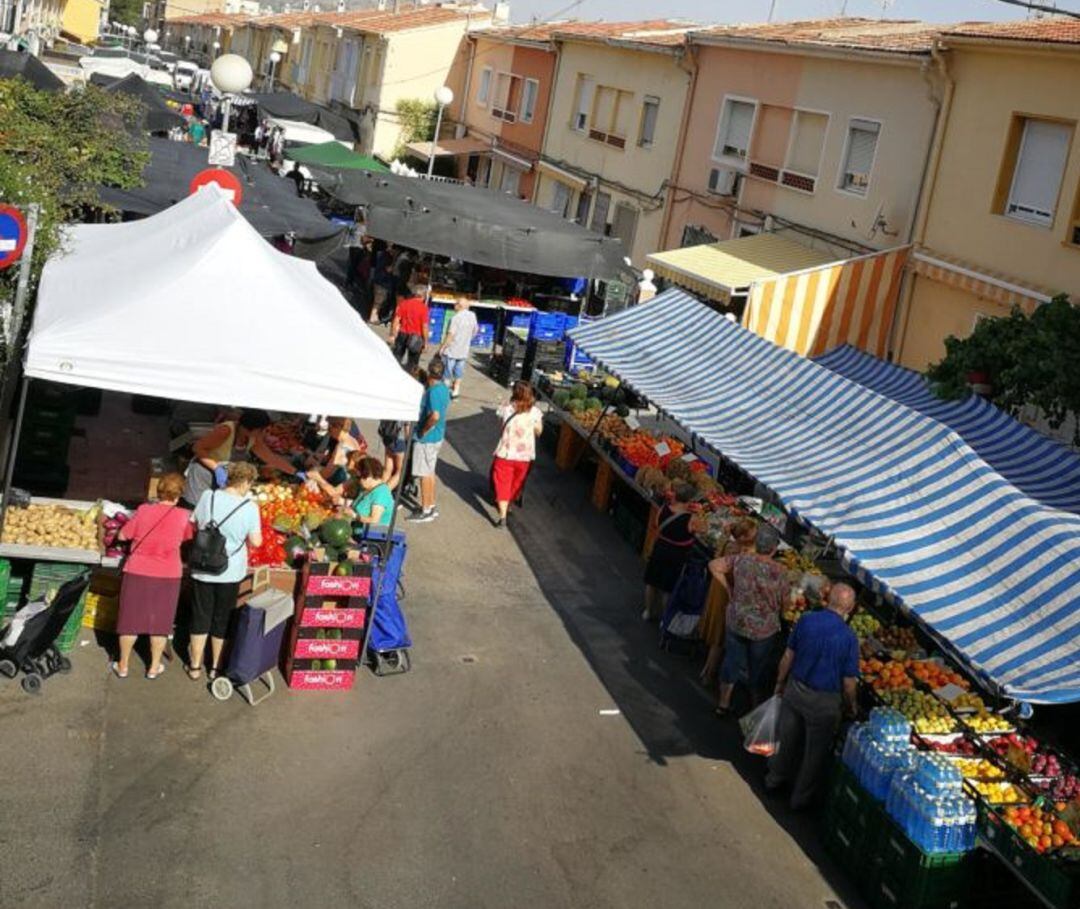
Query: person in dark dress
point(674, 540)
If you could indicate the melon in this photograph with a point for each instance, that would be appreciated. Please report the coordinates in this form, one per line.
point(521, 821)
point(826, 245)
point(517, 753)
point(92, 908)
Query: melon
point(336, 532)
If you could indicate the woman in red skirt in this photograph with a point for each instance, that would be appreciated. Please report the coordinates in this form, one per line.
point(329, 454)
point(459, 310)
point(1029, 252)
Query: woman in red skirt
point(522, 422)
point(152, 571)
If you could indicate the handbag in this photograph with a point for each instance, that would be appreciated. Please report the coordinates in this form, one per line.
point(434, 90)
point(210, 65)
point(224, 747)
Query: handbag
point(209, 553)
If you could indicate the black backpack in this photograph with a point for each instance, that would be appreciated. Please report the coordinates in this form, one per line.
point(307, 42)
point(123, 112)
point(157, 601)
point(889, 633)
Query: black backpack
point(209, 553)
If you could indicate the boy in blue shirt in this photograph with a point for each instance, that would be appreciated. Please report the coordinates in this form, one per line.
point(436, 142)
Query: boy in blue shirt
point(430, 432)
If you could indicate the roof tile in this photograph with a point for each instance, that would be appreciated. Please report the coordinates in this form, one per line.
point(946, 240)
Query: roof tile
point(1051, 30)
point(904, 36)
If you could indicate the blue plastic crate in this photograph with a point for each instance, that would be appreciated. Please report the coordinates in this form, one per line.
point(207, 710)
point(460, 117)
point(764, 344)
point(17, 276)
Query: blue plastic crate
point(520, 319)
point(548, 326)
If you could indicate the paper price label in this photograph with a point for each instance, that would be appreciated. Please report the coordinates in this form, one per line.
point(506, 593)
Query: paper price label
point(689, 457)
point(661, 448)
point(633, 422)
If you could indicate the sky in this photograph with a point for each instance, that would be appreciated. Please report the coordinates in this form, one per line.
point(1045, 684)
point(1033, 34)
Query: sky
point(707, 11)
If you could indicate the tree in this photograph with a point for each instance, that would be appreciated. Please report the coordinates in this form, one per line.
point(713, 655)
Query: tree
point(126, 12)
point(417, 120)
point(1026, 360)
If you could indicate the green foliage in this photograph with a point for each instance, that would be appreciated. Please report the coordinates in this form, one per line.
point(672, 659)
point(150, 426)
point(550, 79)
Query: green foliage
point(1029, 360)
point(55, 147)
point(128, 12)
point(417, 120)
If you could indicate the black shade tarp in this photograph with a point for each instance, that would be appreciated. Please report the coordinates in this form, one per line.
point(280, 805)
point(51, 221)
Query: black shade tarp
point(287, 106)
point(158, 117)
point(15, 63)
point(475, 225)
point(269, 202)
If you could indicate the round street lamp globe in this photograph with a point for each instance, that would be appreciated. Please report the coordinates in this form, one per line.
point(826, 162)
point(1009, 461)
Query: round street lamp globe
point(275, 57)
point(231, 73)
point(149, 36)
point(444, 95)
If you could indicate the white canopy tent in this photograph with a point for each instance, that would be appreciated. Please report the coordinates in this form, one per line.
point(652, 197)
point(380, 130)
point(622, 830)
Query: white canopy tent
point(299, 133)
point(192, 304)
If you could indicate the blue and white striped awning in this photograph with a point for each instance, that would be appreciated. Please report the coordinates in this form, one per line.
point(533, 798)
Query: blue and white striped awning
point(1034, 464)
point(990, 570)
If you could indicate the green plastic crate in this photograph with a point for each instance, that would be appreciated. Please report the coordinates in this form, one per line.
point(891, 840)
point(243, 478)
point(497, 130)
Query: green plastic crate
point(58, 417)
point(851, 823)
point(52, 575)
point(905, 877)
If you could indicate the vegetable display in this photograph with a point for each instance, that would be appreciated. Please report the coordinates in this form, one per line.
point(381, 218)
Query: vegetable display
point(53, 526)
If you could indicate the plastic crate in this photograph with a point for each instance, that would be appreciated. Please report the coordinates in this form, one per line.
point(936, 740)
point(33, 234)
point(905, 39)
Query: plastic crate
point(548, 326)
point(100, 612)
point(905, 877)
point(1053, 880)
point(43, 479)
point(52, 575)
point(520, 319)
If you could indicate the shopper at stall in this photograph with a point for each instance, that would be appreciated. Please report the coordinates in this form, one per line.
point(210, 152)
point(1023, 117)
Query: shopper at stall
point(375, 504)
point(250, 443)
point(394, 435)
point(214, 595)
point(755, 598)
point(209, 455)
point(408, 330)
point(329, 467)
point(457, 342)
point(674, 540)
point(711, 628)
point(817, 679)
point(382, 282)
point(431, 430)
point(522, 424)
point(151, 578)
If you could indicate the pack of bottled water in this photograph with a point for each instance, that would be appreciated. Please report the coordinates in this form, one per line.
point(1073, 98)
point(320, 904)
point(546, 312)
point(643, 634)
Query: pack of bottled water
point(878, 749)
point(930, 808)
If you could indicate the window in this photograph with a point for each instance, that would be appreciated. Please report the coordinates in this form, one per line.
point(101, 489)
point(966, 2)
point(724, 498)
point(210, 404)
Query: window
point(599, 213)
point(1036, 177)
point(504, 104)
point(529, 95)
point(583, 202)
point(736, 126)
point(511, 180)
point(583, 103)
point(807, 140)
point(484, 89)
point(696, 235)
point(650, 110)
point(624, 225)
point(610, 116)
point(560, 199)
point(859, 155)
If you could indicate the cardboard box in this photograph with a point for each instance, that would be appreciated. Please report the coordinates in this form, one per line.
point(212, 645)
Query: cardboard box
point(334, 586)
point(313, 617)
point(311, 680)
point(323, 648)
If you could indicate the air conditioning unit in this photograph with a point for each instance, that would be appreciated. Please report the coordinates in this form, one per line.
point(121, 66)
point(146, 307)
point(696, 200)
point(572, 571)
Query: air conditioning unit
point(724, 181)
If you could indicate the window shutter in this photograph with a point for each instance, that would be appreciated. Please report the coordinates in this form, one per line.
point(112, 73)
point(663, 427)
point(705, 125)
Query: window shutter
point(485, 87)
point(528, 101)
point(600, 210)
point(1039, 170)
point(584, 105)
point(862, 143)
point(740, 120)
point(624, 226)
point(649, 113)
point(806, 143)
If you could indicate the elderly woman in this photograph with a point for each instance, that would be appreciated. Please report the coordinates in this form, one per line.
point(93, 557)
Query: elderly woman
point(742, 534)
point(674, 540)
point(214, 595)
point(375, 503)
point(755, 598)
point(522, 424)
point(151, 577)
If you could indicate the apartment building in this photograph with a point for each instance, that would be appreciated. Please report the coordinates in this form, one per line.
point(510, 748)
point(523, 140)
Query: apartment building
point(1001, 211)
point(613, 127)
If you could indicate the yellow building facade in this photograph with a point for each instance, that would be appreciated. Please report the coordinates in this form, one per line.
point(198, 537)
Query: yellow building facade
point(82, 19)
point(1000, 221)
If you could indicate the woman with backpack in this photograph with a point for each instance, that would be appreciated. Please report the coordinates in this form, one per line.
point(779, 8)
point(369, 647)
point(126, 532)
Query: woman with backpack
point(228, 522)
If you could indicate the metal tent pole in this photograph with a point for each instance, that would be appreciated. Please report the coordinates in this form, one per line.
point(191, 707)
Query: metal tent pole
point(13, 453)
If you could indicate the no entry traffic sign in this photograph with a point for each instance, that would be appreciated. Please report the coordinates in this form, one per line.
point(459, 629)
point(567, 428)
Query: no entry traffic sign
point(12, 235)
point(224, 179)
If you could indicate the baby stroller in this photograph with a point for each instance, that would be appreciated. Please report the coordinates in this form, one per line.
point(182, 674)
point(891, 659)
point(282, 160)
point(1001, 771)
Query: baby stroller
point(27, 644)
point(256, 645)
point(686, 603)
point(388, 639)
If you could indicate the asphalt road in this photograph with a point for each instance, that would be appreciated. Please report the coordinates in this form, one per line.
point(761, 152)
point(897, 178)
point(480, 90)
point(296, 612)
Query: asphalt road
point(542, 752)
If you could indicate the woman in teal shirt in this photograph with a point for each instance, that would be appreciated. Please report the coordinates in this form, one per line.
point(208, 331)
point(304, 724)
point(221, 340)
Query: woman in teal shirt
point(375, 503)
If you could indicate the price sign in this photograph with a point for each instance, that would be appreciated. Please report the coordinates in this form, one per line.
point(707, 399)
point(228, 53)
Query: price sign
point(222, 149)
point(662, 448)
point(633, 422)
point(689, 457)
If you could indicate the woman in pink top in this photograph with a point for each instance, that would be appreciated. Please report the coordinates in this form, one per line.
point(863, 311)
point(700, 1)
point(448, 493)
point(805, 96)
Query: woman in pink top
point(522, 423)
point(152, 571)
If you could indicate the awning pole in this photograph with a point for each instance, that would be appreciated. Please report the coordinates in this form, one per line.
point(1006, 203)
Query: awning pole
point(386, 547)
point(13, 453)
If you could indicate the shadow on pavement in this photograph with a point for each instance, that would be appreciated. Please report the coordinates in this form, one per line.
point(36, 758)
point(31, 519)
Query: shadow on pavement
point(592, 579)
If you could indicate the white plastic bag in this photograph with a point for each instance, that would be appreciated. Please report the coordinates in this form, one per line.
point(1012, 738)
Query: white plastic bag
point(761, 728)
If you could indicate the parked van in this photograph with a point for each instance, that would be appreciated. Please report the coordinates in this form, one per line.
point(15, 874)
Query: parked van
point(183, 73)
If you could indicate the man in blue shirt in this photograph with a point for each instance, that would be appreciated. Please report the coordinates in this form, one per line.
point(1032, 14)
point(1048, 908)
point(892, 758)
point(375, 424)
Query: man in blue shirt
point(430, 432)
point(817, 677)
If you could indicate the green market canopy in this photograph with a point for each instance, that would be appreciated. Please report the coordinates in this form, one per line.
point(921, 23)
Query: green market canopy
point(334, 155)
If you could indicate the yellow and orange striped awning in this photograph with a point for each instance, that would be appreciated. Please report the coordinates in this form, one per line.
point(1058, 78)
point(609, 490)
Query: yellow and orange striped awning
point(811, 311)
point(982, 282)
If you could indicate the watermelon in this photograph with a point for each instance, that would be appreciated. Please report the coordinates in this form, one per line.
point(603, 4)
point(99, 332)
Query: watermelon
point(560, 397)
point(336, 532)
point(343, 570)
point(333, 554)
point(575, 405)
point(316, 665)
point(593, 404)
point(623, 411)
point(296, 548)
point(579, 391)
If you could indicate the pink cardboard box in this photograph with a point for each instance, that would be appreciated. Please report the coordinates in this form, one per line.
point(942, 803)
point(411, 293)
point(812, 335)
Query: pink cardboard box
point(318, 649)
point(325, 585)
point(333, 618)
point(321, 680)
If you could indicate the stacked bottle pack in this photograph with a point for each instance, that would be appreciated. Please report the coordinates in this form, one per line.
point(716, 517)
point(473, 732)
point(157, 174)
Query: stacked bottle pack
point(877, 750)
point(929, 805)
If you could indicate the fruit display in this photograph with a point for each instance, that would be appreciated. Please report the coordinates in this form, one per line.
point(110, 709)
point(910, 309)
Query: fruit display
point(960, 746)
point(1039, 827)
point(986, 722)
point(864, 625)
point(967, 702)
point(895, 637)
point(52, 526)
point(288, 514)
point(284, 437)
point(1064, 787)
point(935, 675)
point(889, 675)
point(639, 449)
point(999, 792)
point(973, 768)
point(927, 714)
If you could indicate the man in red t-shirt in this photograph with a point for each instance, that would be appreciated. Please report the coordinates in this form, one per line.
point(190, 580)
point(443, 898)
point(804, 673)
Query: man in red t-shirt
point(408, 331)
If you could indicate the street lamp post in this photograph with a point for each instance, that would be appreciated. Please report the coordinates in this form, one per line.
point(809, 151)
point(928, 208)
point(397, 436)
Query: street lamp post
point(275, 59)
point(443, 97)
point(231, 74)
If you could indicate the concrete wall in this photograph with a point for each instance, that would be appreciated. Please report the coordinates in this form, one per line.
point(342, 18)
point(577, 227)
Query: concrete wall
point(82, 19)
point(895, 94)
point(635, 175)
